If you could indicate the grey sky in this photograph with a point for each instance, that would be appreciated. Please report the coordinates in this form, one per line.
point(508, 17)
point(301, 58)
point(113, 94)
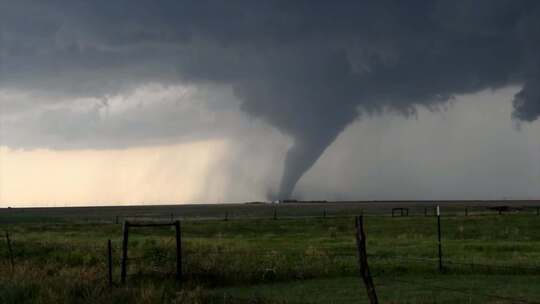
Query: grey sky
point(120, 74)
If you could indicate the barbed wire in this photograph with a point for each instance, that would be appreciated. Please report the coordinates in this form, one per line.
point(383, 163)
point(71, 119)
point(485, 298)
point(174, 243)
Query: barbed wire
point(453, 262)
point(216, 250)
point(416, 211)
point(323, 254)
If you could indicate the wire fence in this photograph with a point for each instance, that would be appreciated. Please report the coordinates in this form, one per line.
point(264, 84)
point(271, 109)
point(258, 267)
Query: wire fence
point(520, 268)
point(157, 259)
point(450, 266)
point(263, 211)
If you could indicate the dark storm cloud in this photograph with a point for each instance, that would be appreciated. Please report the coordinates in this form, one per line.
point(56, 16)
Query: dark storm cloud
point(306, 67)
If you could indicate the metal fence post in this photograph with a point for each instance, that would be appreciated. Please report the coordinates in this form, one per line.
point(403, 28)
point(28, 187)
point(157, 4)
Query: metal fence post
point(110, 262)
point(123, 271)
point(178, 251)
point(439, 237)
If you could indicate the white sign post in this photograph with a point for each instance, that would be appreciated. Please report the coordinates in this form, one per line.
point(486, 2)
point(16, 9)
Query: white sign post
point(439, 236)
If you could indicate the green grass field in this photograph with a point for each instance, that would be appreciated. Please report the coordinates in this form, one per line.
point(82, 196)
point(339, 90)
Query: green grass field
point(488, 258)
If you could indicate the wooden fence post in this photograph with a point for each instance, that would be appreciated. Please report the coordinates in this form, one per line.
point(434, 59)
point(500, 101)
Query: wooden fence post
point(324, 213)
point(10, 251)
point(363, 261)
point(226, 216)
point(109, 258)
point(178, 251)
point(275, 213)
point(466, 211)
point(123, 271)
point(439, 237)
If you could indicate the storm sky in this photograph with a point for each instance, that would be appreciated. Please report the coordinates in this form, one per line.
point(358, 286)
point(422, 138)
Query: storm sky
point(218, 101)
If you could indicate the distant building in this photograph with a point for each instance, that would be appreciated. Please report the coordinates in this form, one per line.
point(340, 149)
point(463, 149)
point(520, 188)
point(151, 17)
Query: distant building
point(289, 201)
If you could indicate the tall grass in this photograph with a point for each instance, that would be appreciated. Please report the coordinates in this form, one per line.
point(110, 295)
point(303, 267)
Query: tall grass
point(66, 262)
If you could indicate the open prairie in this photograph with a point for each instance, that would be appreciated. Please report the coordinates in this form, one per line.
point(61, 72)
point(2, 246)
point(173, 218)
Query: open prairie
point(287, 253)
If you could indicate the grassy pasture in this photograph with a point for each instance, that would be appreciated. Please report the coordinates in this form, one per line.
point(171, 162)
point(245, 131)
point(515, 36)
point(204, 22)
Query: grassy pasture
point(60, 255)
